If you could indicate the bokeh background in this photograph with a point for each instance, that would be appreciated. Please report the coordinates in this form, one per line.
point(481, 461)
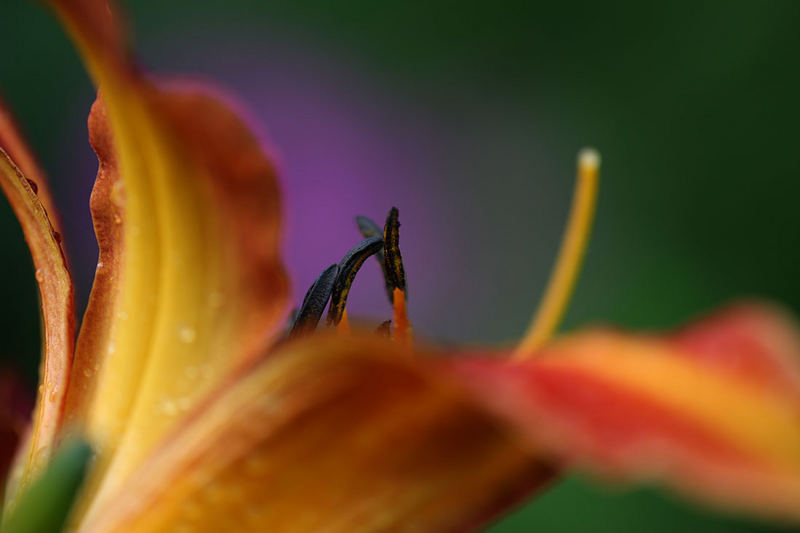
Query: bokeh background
point(468, 116)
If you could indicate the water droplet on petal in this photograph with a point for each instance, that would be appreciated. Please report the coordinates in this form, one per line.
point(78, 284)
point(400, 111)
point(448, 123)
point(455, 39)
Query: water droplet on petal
point(169, 408)
point(118, 193)
point(39, 275)
point(186, 333)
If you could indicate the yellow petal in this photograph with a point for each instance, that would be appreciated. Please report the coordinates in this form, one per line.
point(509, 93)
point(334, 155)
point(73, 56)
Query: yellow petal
point(200, 285)
point(332, 434)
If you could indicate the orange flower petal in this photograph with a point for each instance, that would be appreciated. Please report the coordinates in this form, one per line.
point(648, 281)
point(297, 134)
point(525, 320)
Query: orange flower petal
point(12, 142)
point(198, 286)
point(712, 410)
point(106, 203)
point(56, 294)
point(333, 434)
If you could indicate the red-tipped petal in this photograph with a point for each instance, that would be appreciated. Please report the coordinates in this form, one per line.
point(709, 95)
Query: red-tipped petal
point(712, 410)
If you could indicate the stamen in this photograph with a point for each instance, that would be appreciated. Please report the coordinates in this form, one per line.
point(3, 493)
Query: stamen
point(344, 324)
point(570, 256)
point(393, 261)
point(369, 228)
point(402, 327)
point(348, 268)
point(314, 303)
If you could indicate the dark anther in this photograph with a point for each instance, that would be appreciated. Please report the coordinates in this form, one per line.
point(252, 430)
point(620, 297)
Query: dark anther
point(392, 259)
point(369, 228)
point(384, 329)
point(314, 303)
point(348, 268)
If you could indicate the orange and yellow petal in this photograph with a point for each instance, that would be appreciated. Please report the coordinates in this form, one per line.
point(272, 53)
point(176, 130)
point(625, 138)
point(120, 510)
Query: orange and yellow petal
point(712, 410)
point(330, 434)
point(11, 140)
point(56, 296)
point(198, 286)
point(107, 205)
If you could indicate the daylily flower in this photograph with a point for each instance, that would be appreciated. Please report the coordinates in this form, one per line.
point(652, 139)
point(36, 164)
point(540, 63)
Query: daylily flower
point(204, 416)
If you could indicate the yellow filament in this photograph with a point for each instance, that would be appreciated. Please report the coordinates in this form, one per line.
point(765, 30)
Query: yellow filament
point(401, 332)
point(344, 324)
point(570, 256)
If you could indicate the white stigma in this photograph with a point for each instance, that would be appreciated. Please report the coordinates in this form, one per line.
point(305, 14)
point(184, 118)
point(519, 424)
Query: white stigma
point(589, 159)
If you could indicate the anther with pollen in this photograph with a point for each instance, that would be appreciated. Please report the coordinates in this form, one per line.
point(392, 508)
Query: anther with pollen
point(334, 283)
point(314, 303)
point(348, 268)
point(392, 260)
point(368, 229)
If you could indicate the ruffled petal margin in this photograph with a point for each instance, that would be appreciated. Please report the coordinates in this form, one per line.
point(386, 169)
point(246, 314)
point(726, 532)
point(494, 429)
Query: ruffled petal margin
point(190, 284)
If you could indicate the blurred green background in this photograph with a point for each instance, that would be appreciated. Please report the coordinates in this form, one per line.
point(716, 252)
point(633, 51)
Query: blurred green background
point(470, 115)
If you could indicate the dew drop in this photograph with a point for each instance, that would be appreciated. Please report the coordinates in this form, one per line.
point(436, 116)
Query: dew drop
point(186, 333)
point(118, 193)
point(99, 265)
point(169, 408)
point(39, 275)
point(87, 372)
point(117, 219)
